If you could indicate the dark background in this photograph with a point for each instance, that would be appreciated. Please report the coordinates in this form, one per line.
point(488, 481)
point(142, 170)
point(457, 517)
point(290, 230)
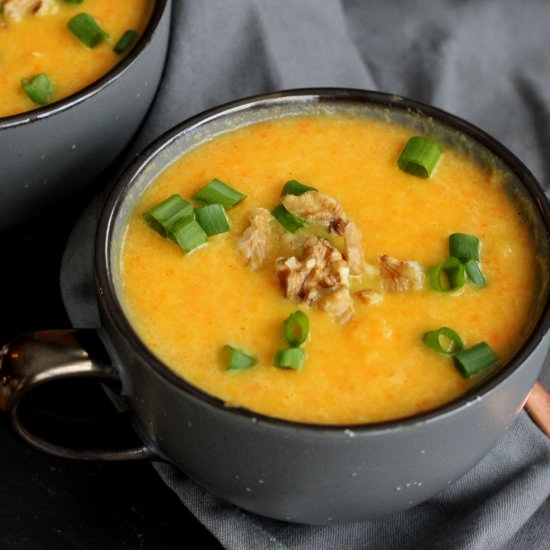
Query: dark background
point(50, 502)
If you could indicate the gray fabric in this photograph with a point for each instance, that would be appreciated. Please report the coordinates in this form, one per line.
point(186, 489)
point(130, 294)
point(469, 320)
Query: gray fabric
point(486, 61)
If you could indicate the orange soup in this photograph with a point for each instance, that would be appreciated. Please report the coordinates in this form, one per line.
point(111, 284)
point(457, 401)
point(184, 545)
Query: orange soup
point(360, 268)
point(70, 45)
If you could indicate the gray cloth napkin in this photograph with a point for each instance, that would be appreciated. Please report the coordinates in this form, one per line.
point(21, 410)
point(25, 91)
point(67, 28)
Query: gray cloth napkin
point(486, 61)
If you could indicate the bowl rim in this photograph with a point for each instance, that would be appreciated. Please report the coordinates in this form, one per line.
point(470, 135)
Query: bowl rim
point(111, 206)
point(19, 119)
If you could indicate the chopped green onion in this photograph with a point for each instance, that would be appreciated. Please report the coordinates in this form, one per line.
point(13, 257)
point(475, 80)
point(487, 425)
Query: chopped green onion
point(238, 360)
point(290, 358)
point(474, 273)
point(288, 220)
point(420, 156)
point(168, 213)
point(39, 88)
point(188, 234)
point(217, 191)
point(464, 247)
point(212, 219)
point(476, 359)
point(87, 30)
point(447, 276)
point(73, 1)
point(296, 328)
point(443, 340)
point(125, 42)
point(294, 187)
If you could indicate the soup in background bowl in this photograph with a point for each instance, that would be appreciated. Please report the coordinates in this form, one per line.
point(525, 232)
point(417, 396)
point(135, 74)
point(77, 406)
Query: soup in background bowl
point(363, 444)
point(52, 49)
point(76, 80)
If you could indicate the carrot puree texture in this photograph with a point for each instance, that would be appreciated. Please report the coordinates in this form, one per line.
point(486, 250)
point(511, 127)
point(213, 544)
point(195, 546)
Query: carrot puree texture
point(44, 44)
point(375, 367)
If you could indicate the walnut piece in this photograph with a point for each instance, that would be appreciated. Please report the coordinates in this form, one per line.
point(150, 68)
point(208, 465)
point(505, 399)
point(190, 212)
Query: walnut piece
point(353, 252)
point(370, 296)
point(15, 10)
point(314, 206)
point(292, 275)
point(338, 226)
point(320, 276)
point(400, 276)
point(255, 239)
point(338, 304)
point(320, 268)
point(329, 269)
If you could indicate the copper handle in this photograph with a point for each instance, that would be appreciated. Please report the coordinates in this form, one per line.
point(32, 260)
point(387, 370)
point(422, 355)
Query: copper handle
point(37, 358)
point(538, 407)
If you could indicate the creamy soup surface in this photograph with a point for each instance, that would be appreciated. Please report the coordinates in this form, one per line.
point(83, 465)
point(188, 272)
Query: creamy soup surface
point(35, 39)
point(374, 366)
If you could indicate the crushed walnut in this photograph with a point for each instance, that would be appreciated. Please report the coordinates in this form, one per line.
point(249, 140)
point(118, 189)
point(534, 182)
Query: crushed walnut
point(400, 276)
point(338, 304)
point(315, 271)
point(319, 272)
point(370, 296)
point(320, 267)
point(329, 269)
point(314, 206)
point(15, 10)
point(254, 241)
point(292, 275)
point(353, 252)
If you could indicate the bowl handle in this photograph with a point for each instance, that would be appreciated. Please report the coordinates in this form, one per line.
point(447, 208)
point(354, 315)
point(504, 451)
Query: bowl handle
point(538, 407)
point(33, 359)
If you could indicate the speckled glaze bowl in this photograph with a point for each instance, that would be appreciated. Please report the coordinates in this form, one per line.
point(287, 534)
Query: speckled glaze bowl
point(52, 152)
point(281, 469)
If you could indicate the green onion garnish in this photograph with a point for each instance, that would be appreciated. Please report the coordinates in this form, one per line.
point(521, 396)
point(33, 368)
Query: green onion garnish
point(420, 156)
point(125, 42)
point(294, 187)
point(39, 88)
point(290, 358)
point(86, 29)
point(464, 247)
point(296, 328)
point(168, 213)
point(443, 340)
point(288, 220)
point(447, 276)
point(474, 273)
point(188, 234)
point(476, 359)
point(238, 360)
point(73, 1)
point(212, 219)
point(217, 191)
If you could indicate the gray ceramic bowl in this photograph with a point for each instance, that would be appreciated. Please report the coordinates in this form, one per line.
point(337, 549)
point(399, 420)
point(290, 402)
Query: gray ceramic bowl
point(52, 152)
point(285, 470)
